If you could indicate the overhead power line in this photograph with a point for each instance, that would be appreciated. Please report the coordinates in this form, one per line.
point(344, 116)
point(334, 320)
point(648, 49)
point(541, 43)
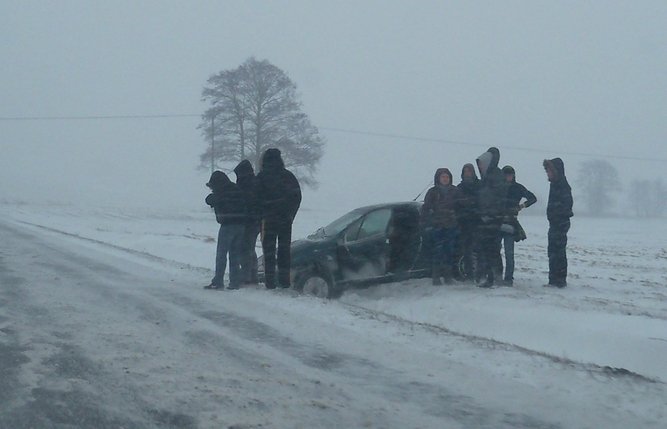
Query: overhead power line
point(486, 145)
point(332, 129)
point(85, 118)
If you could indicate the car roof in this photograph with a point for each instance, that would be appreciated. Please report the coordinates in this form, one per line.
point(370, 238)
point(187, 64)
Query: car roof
point(366, 209)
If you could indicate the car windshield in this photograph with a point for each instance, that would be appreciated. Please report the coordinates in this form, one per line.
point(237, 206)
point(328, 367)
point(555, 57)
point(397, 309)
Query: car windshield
point(339, 224)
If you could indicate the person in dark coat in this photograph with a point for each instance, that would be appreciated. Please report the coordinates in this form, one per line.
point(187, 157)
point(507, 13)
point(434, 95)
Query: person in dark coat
point(468, 219)
point(229, 205)
point(439, 216)
point(491, 208)
point(248, 183)
point(511, 230)
point(559, 212)
point(279, 196)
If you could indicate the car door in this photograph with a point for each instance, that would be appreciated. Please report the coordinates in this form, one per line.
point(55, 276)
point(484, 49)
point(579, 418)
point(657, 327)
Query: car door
point(364, 246)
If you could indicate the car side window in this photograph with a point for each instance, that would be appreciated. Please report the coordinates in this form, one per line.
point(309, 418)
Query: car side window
point(374, 223)
point(352, 231)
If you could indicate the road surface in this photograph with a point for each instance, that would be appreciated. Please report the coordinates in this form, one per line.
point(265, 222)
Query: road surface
point(95, 337)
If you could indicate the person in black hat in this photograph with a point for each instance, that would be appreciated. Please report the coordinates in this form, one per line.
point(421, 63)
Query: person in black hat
point(559, 212)
point(511, 230)
point(279, 196)
point(227, 201)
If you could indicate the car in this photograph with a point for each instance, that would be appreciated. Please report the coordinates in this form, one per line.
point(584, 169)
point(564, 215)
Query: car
point(368, 245)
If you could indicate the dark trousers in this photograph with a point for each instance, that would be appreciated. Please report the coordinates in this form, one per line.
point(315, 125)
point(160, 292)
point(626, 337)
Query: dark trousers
point(468, 246)
point(556, 252)
point(230, 239)
point(489, 251)
point(444, 248)
point(280, 233)
point(249, 259)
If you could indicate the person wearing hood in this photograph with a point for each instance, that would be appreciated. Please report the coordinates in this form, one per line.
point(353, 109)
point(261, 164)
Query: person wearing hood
point(559, 212)
point(439, 217)
point(229, 205)
point(279, 197)
point(468, 218)
point(491, 209)
point(247, 182)
point(511, 229)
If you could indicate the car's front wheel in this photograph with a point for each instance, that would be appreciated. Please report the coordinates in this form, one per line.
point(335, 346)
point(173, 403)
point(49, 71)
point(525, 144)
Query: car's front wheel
point(317, 284)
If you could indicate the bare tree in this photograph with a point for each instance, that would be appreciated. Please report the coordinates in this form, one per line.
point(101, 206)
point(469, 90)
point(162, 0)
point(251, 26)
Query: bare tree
point(599, 182)
point(254, 107)
point(648, 198)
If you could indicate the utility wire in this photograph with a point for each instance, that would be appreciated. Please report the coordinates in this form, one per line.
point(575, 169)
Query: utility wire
point(337, 130)
point(466, 143)
point(85, 118)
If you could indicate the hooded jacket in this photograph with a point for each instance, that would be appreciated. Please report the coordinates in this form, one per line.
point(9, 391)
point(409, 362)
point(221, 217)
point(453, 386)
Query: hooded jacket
point(441, 203)
point(279, 193)
point(248, 183)
point(226, 199)
point(469, 188)
point(559, 207)
point(493, 187)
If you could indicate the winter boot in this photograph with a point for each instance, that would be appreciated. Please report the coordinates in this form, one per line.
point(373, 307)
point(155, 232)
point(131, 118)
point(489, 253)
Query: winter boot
point(214, 287)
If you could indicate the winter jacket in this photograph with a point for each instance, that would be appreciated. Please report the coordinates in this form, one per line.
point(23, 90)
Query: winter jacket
point(516, 193)
point(279, 193)
point(249, 185)
point(559, 206)
point(226, 199)
point(441, 203)
point(469, 187)
point(492, 197)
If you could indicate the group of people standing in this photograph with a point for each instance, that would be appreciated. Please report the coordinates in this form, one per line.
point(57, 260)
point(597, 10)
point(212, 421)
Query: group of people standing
point(474, 219)
point(265, 203)
point(479, 216)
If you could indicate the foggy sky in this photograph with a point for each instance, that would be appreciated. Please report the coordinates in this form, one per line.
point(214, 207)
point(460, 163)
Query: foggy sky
point(558, 78)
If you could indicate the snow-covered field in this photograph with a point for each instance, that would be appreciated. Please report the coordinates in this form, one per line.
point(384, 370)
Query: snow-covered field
point(609, 326)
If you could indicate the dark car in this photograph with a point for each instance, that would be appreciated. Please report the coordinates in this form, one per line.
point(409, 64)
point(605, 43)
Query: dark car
point(373, 244)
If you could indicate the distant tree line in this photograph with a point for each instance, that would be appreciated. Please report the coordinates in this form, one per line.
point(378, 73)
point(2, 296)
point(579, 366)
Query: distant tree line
point(601, 190)
point(648, 197)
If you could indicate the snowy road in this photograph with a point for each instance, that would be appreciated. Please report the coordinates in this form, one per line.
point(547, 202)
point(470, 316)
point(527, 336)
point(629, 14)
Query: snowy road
point(94, 337)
